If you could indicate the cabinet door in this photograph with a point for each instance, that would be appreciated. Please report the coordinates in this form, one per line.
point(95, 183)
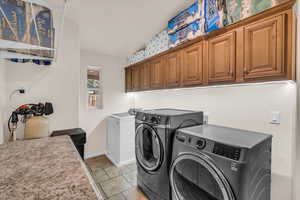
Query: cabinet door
point(113, 138)
point(157, 78)
point(221, 58)
point(145, 76)
point(136, 77)
point(128, 79)
point(173, 69)
point(264, 49)
point(192, 65)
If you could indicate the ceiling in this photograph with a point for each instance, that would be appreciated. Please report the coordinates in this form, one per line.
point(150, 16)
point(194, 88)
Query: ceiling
point(120, 27)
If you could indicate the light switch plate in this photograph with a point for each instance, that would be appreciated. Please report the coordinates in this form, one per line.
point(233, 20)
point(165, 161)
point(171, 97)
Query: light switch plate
point(275, 117)
point(205, 117)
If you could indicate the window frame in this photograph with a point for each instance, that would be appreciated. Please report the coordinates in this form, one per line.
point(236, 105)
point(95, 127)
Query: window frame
point(100, 90)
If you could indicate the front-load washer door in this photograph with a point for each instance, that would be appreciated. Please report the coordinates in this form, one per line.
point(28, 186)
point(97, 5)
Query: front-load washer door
point(149, 150)
point(195, 177)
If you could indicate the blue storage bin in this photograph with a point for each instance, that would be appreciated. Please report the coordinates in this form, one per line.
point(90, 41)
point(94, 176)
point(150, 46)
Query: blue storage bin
point(214, 15)
point(190, 32)
point(187, 16)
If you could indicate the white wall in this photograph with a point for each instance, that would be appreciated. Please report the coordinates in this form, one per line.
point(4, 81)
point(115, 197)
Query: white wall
point(245, 107)
point(2, 99)
point(297, 135)
point(58, 83)
point(114, 99)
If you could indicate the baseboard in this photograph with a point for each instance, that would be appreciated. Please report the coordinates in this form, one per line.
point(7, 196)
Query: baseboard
point(111, 159)
point(117, 164)
point(127, 162)
point(93, 155)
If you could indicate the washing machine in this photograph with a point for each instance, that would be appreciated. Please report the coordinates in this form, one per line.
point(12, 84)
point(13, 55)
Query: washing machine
point(218, 163)
point(155, 130)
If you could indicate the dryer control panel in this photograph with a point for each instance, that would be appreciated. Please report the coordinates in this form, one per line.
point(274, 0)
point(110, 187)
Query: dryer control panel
point(227, 151)
point(152, 118)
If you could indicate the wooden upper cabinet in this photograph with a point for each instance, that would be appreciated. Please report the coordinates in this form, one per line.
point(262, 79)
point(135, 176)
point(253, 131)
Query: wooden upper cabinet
point(264, 48)
point(221, 58)
point(192, 65)
point(259, 48)
point(136, 78)
point(145, 76)
point(173, 69)
point(128, 79)
point(157, 79)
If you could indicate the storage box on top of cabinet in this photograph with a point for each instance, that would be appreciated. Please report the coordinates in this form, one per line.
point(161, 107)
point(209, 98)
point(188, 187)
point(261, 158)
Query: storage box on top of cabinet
point(212, 16)
point(186, 17)
point(215, 15)
point(241, 9)
point(157, 44)
point(189, 32)
point(136, 57)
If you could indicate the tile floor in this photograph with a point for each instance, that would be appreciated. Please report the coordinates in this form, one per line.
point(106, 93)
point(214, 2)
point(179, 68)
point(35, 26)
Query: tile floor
point(115, 183)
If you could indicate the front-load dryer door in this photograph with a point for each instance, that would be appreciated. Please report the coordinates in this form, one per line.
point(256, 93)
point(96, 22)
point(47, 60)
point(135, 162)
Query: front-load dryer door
point(148, 145)
point(195, 177)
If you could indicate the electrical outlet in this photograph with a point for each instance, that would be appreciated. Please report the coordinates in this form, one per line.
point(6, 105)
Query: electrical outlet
point(21, 91)
point(275, 117)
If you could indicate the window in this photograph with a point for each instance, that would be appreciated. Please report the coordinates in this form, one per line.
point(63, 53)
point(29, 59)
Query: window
point(94, 88)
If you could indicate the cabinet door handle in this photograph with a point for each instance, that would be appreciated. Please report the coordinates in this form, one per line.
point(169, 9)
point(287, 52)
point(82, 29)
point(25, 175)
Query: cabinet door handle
point(246, 71)
point(230, 73)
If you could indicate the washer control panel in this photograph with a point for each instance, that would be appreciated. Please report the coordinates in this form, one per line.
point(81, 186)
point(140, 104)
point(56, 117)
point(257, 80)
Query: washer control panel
point(152, 118)
point(195, 142)
point(227, 151)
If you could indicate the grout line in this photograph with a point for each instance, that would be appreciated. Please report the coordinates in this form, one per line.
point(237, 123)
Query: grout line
point(122, 175)
point(124, 196)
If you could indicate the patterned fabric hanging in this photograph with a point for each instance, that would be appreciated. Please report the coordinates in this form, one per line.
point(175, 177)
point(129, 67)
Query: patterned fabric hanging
point(28, 25)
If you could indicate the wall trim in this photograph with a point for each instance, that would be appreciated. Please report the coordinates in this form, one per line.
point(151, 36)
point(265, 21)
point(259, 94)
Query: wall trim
point(126, 162)
point(93, 155)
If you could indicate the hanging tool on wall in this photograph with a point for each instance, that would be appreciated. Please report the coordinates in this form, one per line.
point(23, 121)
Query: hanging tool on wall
point(32, 114)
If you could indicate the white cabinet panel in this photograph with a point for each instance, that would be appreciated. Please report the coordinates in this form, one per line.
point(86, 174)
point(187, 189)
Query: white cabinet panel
point(121, 139)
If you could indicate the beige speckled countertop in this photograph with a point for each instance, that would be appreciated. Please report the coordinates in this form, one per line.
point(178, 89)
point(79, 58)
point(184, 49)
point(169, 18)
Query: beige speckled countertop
point(44, 169)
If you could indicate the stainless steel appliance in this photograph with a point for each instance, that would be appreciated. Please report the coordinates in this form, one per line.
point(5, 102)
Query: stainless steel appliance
point(155, 131)
point(218, 163)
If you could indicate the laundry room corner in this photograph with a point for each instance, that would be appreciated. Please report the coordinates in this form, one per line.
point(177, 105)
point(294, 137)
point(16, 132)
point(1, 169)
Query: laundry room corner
point(150, 100)
point(114, 99)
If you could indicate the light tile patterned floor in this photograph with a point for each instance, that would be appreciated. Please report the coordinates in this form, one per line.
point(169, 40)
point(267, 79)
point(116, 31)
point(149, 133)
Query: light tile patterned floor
point(115, 183)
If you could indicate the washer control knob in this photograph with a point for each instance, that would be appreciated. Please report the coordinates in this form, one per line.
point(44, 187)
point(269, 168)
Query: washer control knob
point(201, 144)
point(158, 119)
point(144, 118)
point(154, 120)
